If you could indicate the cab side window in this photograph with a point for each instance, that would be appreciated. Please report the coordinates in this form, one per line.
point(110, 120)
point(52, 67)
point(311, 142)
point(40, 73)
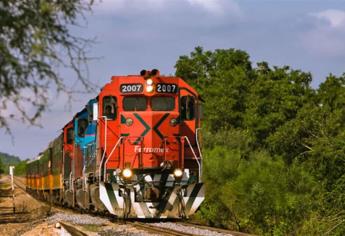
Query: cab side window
point(200, 113)
point(70, 136)
point(187, 108)
point(110, 107)
point(89, 112)
point(82, 125)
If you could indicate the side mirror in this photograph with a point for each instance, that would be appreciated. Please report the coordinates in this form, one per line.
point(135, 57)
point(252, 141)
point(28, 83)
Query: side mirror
point(95, 112)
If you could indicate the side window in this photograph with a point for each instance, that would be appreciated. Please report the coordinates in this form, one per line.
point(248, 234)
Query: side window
point(110, 107)
point(187, 108)
point(90, 112)
point(82, 125)
point(200, 113)
point(70, 136)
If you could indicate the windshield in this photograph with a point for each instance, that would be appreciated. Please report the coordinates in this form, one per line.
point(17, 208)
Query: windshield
point(134, 103)
point(163, 103)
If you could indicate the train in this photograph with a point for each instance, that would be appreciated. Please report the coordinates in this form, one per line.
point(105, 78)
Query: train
point(133, 151)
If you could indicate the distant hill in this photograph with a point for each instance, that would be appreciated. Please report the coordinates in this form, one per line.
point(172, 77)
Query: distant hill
point(8, 159)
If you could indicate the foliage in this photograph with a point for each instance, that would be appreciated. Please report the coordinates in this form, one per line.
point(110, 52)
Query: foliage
point(35, 42)
point(256, 194)
point(20, 168)
point(8, 160)
point(275, 98)
point(273, 146)
point(2, 167)
point(223, 72)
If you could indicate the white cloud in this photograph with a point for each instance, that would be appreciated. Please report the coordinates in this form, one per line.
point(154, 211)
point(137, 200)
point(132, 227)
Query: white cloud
point(326, 35)
point(324, 43)
point(334, 18)
point(120, 5)
point(215, 7)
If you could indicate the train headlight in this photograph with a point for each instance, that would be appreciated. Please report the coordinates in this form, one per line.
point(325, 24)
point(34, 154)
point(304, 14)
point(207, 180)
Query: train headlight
point(149, 82)
point(149, 88)
point(127, 173)
point(173, 122)
point(178, 173)
point(129, 122)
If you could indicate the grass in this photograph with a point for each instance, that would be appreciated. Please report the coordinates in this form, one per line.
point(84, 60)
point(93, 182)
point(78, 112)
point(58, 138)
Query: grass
point(4, 186)
point(92, 228)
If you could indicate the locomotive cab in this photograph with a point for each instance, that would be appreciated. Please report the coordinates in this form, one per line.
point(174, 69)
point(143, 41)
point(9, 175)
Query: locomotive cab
point(149, 150)
point(151, 124)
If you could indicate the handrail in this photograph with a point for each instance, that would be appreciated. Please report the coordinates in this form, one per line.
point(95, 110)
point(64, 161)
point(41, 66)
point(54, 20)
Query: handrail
point(197, 141)
point(198, 145)
point(72, 174)
point(105, 148)
point(84, 168)
point(84, 178)
point(196, 158)
point(70, 181)
point(105, 164)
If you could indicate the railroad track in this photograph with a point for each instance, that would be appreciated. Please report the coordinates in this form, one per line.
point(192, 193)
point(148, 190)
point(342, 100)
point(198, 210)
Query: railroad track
point(19, 183)
point(76, 231)
point(214, 229)
point(159, 230)
point(72, 230)
point(148, 227)
point(8, 211)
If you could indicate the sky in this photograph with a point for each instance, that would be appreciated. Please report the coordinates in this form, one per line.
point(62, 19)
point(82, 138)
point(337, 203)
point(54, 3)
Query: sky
point(132, 35)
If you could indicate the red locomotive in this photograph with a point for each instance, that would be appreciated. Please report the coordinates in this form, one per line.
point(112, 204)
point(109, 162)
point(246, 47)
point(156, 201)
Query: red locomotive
point(133, 151)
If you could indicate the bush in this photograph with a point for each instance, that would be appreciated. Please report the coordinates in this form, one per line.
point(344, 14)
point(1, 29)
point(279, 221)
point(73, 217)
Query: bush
point(260, 195)
point(20, 168)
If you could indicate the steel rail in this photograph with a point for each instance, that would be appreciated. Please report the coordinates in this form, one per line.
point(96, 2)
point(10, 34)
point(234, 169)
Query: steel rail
point(72, 230)
point(156, 229)
point(219, 230)
point(159, 230)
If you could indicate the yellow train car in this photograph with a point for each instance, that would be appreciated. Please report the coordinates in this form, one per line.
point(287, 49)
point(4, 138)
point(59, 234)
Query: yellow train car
point(44, 174)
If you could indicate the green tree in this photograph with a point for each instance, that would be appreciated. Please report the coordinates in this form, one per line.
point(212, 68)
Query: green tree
point(274, 99)
point(35, 41)
point(261, 195)
point(222, 78)
point(259, 123)
point(20, 168)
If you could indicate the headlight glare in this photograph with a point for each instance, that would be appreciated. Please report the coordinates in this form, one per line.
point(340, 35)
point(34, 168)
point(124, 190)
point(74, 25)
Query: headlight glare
point(178, 173)
point(149, 82)
point(149, 88)
point(127, 173)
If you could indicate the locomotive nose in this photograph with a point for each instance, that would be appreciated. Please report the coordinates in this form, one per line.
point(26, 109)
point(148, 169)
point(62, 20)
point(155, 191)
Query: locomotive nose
point(150, 138)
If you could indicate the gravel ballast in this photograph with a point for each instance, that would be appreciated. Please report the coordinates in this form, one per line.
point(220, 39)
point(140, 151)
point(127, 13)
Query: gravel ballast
point(189, 229)
point(78, 219)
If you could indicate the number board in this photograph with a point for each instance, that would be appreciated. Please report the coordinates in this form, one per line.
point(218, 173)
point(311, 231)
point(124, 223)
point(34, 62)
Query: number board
point(131, 88)
point(166, 88)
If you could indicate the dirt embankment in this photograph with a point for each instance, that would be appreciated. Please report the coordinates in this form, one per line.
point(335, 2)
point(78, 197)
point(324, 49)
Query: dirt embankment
point(29, 211)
